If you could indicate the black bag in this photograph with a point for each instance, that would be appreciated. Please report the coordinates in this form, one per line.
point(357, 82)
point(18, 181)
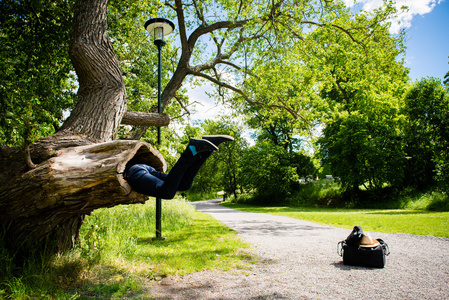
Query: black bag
point(355, 236)
point(354, 255)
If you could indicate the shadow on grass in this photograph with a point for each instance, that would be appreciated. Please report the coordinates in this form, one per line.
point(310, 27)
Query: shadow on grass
point(108, 282)
point(397, 213)
point(284, 209)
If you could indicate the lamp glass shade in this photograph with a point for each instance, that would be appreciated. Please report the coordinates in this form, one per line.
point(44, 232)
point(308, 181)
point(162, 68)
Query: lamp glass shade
point(152, 26)
point(159, 33)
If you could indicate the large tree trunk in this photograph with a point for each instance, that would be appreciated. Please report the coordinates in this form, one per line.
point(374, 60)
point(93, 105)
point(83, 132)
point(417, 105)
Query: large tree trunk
point(101, 95)
point(50, 201)
point(79, 168)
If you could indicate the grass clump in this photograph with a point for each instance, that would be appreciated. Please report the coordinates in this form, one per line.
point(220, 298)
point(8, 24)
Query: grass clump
point(432, 200)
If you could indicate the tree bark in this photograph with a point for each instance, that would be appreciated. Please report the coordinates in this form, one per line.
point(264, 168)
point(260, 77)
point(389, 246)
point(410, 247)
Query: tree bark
point(101, 95)
point(145, 119)
point(50, 201)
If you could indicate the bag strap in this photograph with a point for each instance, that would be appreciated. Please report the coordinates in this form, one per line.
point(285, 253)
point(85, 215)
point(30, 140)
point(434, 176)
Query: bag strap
point(340, 248)
point(387, 249)
point(385, 246)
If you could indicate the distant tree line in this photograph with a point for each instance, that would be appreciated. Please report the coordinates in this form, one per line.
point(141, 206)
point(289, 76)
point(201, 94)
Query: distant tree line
point(369, 153)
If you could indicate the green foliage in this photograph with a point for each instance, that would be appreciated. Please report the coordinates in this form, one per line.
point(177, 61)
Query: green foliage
point(363, 152)
point(221, 170)
point(35, 80)
point(337, 53)
point(138, 55)
point(427, 109)
point(303, 164)
point(446, 80)
point(225, 162)
point(349, 82)
point(434, 199)
point(363, 85)
point(268, 172)
point(323, 193)
point(92, 244)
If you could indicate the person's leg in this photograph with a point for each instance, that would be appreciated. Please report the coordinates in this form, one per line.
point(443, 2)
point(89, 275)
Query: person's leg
point(146, 180)
point(142, 178)
point(187, 180)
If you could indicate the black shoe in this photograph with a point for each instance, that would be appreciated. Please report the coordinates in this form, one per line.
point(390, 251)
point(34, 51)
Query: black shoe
point(201, 146)
point(218, 139)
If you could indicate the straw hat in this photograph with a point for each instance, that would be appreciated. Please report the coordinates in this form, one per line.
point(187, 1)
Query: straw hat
point(368, 241)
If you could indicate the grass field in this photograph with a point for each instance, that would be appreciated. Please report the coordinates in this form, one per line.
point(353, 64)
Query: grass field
point(385, 220)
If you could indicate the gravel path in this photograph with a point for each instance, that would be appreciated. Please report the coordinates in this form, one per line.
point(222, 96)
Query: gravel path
point(300, 261)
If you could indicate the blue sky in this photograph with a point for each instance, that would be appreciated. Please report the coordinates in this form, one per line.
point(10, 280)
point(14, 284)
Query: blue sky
point(427, 36)
point(428, 43)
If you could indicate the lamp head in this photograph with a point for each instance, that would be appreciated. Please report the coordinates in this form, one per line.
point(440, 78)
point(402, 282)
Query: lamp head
point(158, 28)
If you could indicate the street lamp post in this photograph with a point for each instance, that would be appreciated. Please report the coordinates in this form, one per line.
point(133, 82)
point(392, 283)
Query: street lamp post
point(158, 28)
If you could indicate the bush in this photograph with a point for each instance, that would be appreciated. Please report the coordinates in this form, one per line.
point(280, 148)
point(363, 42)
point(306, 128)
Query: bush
point(432, 200)
point(323, 193)
point(266, 170)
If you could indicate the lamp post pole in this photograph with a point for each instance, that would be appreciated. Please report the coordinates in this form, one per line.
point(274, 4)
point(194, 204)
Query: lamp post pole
point(158, 27)
point(159, 45)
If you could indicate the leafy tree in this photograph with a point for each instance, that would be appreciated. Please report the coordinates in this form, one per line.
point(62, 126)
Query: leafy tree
point(226, 162)
point(35, 80)
point(35, 205)
point(280, 129)
point(427, 109)
point(51, 200)
point(221, 170)
point(363, 152)
point(363, 86)
point(446, 80)
point(303, 164)
point(268, 173)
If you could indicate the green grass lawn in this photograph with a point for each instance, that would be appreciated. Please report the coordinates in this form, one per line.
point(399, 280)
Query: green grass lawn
point(385, 220)
point(118, 255)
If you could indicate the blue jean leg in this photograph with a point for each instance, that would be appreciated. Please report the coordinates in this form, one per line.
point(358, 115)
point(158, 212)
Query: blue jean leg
point(146, 180)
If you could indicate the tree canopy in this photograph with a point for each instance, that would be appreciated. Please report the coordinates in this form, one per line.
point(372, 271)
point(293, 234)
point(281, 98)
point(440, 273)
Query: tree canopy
point(237, 45)
point(36, 83)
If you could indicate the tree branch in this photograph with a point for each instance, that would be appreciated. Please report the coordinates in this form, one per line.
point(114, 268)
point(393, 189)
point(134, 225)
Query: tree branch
point(338, 27)
point(138, 118)
point(292, 112)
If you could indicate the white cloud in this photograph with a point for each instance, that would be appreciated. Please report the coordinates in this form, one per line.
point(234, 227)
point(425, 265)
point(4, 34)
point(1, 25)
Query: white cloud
point(404, 19)
point(204, 107)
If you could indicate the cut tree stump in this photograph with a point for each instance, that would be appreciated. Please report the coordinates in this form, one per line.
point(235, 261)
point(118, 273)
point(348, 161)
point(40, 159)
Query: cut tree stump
point(50, 201)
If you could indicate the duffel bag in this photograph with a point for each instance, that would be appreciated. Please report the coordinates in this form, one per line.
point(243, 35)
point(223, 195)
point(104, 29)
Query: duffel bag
point(368, 252)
